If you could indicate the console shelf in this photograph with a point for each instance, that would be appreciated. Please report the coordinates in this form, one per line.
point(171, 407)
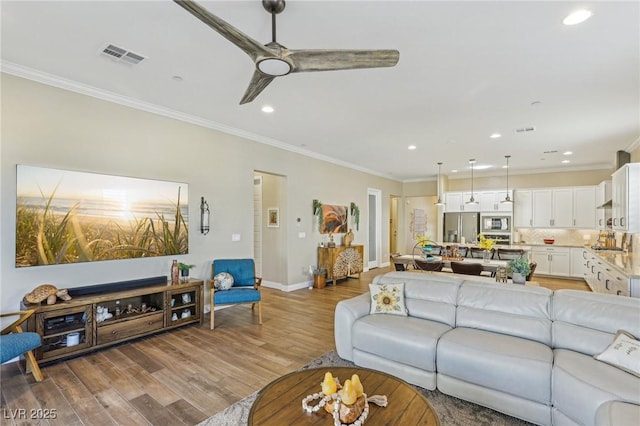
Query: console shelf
point(71, 328)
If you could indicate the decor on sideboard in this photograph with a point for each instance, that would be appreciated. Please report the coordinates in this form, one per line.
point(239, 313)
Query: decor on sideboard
point(347, 239)
point(184, 271)
point(47, 292)
point(70, 217)
point(204, 216)
point(355, 213)
point(519, 269)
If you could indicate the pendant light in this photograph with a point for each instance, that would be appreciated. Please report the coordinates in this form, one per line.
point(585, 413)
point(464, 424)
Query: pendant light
point(472, 200)
point(439, 202)
point(507, 199)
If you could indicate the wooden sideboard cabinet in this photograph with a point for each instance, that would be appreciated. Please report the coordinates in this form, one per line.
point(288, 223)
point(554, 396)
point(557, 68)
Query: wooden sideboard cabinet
point(71, 328)
point(341, 261)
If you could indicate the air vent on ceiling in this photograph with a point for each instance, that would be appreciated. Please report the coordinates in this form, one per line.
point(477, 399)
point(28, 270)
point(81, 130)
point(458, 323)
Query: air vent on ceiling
point(526, 129)
point(121, 55)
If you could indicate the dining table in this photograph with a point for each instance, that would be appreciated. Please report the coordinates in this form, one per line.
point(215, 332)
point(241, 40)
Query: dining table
point(491, 265)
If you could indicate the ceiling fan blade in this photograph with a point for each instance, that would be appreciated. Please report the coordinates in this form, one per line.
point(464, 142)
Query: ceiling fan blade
point(329, 60)
point(250, 46)
point(258, 82)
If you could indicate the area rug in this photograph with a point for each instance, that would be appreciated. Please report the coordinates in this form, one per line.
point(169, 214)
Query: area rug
point(451, 411)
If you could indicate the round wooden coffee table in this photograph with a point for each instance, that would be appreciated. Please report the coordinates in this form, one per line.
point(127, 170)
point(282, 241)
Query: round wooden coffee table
point(280, 402)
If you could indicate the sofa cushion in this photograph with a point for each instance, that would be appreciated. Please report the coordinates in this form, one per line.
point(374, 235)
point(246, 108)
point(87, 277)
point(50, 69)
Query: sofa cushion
point(519, 311)
point(623, 353)
point(387, 299)
point(616, 413)
point(429, 296)
point(586, 322)
point(407, 340)
point(581, 384)
point(500, 362)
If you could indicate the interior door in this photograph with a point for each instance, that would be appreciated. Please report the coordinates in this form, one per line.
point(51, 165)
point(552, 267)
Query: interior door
point(374, 246)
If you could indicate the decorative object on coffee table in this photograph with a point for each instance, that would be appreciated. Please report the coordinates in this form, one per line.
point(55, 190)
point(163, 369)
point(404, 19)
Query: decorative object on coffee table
point(278, 402)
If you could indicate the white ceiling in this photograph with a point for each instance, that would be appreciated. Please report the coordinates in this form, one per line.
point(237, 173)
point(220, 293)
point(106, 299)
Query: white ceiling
point(466, 70)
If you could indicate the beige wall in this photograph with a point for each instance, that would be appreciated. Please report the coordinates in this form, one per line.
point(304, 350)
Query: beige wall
point(635, 155)
point(50, 127)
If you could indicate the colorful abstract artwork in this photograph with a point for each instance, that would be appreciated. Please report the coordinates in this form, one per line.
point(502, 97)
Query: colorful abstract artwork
point(334, 219)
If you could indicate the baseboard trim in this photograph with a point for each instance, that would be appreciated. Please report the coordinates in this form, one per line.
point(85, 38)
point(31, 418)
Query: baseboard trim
point(287, 288)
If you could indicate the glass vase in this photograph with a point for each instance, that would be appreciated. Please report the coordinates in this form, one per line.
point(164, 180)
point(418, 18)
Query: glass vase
point(486, 256)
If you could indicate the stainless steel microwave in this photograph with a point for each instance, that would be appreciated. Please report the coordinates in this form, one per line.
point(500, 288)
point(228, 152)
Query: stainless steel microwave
point(496, 224)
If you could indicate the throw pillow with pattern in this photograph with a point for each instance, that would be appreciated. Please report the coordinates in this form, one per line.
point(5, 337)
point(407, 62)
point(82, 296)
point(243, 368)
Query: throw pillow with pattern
point(623, 352)
point(387, 299)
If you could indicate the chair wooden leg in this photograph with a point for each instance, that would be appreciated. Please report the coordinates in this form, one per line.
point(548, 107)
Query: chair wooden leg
point(211, 322)
point(32, 365)
point(260, 312)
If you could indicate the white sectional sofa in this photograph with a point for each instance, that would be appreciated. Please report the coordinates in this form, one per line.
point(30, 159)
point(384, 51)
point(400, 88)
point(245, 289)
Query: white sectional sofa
point(522, 350)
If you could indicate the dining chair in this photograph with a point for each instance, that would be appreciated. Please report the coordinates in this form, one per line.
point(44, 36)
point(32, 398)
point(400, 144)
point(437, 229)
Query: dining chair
point(15, 342)
point(399, 266)
point(532, 267)
point(245, 288)
point(466, 268)
point(509, 254)
point(423, 265)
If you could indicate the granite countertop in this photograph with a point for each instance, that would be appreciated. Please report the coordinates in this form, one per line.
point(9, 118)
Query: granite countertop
point(626, 263)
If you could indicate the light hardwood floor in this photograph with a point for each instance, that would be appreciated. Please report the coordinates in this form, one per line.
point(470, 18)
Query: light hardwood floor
point(186, 375)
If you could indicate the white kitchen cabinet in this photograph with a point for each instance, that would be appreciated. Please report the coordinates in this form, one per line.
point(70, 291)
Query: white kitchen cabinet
point(542, 208)
point(522, 209)
point(603, 278)
point(625, 198)
point(584, 207)
point(456, 202)
point(603, 195)
point(491, 201)
point(570, 207)
point(453, 202)
point(578, 262)
point(554, 261)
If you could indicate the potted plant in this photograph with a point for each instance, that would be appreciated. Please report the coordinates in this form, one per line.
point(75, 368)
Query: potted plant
point(519, 269)
point(184, 271)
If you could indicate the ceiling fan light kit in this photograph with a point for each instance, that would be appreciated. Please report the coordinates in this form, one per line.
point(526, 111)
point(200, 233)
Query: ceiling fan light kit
point(274, 60)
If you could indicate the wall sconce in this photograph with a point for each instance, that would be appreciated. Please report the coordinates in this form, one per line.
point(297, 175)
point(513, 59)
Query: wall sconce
point(204, 216)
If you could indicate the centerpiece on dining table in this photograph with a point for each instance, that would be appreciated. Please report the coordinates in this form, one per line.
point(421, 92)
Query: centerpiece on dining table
point(486, 244)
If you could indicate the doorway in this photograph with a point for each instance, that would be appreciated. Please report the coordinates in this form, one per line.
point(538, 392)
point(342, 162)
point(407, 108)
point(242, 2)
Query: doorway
point(374, 247)
point(269, 232)
point(393, 224)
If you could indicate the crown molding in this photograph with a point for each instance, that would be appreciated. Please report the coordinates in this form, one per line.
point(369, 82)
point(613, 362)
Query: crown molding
point(633, 146)
point(105, 95)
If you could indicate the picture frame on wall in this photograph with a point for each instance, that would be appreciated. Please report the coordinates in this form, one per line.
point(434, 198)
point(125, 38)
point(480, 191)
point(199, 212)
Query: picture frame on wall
point(273, 217)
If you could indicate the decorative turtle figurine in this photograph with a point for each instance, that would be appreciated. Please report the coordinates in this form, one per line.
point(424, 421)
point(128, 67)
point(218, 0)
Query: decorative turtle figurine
point(47, 292)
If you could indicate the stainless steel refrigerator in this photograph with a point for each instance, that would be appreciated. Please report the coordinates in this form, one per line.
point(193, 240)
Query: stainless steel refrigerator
point(461, 227)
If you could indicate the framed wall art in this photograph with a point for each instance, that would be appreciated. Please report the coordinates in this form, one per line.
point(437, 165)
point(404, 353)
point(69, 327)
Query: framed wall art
point(69, 217)
point(273, 217)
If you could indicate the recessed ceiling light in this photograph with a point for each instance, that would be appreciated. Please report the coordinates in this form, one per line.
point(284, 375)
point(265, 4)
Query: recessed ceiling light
point(566, 161)
point(577, 17)
point(495, 135)
point(482, 166)
point(411, 147)
point(177, 78)
point(567, 153)
point(535, 103)
point(454, 171)
point(505, 167)
point(268, 109)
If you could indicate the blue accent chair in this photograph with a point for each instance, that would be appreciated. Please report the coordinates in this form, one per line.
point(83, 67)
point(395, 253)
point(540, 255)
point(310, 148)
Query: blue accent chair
point(14, 342)
point(245, 289)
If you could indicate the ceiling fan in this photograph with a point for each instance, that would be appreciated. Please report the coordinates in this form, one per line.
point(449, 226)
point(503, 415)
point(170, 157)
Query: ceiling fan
point(274, 60)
